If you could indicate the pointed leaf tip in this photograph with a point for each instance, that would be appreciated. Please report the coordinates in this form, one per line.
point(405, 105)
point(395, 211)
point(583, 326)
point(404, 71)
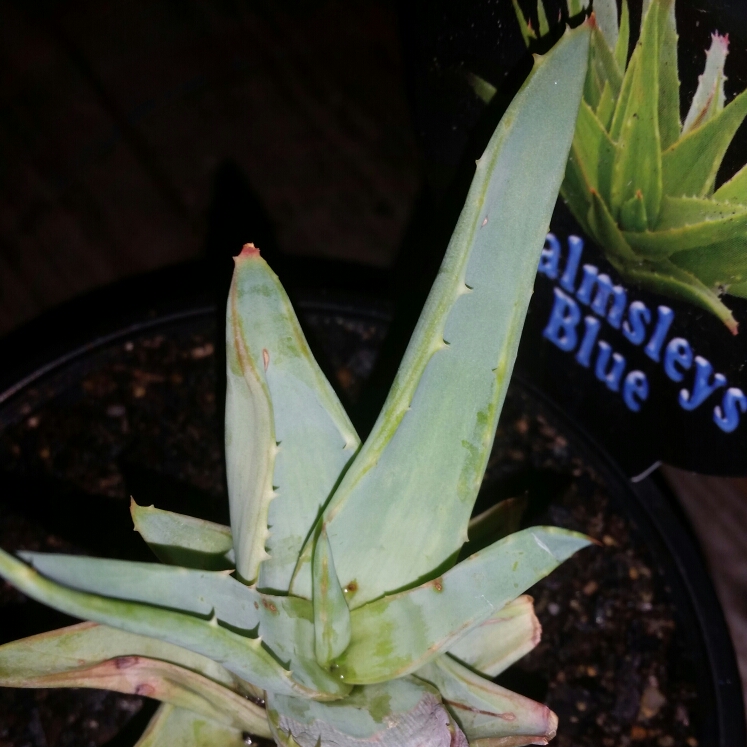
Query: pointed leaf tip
point(248, 250)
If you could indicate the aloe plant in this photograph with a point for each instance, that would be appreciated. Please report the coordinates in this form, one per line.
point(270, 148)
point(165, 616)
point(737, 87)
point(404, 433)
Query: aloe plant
point(332, 612)
point(642, 183)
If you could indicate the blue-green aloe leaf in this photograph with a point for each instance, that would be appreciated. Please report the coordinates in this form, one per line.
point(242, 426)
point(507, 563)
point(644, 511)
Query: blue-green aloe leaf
point(399, 514)
point(184, 540)
point(285, 624)
point(331, 613)
point(404, 712)
point(502, 639)
point(637, 164)
point(689, 167)
point(177, 727)
point(709, 97)
point(397, 634)
point(204, 593)
point(483, 709)
point(245, 657)
point(282, 474)
point(250, 439)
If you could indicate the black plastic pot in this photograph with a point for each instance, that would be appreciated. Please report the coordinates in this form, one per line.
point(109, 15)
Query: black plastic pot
point(100, 358)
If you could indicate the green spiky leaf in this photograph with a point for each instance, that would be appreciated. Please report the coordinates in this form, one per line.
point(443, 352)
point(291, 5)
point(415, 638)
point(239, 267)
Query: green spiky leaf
point(689, 167)
point(606, 14)
point(712, 223)
point(637, 166)
point(734, 190)
point(669, 81)
point(623, 38)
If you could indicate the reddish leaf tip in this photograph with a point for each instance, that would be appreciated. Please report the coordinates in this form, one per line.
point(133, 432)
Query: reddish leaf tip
point(249, 250)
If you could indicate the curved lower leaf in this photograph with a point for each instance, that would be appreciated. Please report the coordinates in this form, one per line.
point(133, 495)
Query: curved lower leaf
point(88, 643)
point(502, 639)
point(285, 624)
point(245, 657)
point(485, 710)
point(139, 675)
point(397, 634)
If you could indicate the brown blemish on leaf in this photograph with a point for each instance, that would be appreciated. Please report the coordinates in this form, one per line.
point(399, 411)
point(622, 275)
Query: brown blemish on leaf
point(145, 689)
point(125, 662)
point(270, 606)
point(438, 584)
point(509, 716)
point(265, 358)
point(351, 588)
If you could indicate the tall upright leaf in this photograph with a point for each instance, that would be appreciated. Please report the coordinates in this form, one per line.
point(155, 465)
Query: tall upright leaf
point(402, 508)
point(308, 441)
point(638, 157)
point(669, 80)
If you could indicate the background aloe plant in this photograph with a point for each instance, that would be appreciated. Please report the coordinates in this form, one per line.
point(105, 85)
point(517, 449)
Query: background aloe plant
point(331, 612)
point(642, 183)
